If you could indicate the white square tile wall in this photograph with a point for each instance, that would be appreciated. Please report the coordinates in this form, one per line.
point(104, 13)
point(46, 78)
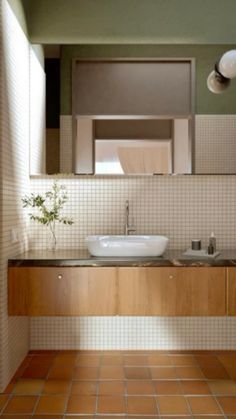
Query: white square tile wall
point(133, 333)
point(182, 208)
point(14, 173)
point(215, 144)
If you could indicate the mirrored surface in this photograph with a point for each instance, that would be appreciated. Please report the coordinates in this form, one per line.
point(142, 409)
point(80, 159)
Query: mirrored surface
point(141, 122)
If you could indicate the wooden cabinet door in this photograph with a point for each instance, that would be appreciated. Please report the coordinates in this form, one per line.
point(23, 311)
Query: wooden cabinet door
point(231, 292)
point(62, 291)
point(171, 291)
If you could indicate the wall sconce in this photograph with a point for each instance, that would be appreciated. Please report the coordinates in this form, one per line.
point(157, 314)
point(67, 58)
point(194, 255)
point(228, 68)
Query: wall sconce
point(225, 70)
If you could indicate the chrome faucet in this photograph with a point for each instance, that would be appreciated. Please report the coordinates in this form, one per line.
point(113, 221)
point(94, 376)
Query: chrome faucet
point(128, 227)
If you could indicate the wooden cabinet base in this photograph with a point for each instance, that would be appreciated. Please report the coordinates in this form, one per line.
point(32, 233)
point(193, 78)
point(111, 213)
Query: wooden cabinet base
point(172, 291)
point(62, 291)
point(124, 291)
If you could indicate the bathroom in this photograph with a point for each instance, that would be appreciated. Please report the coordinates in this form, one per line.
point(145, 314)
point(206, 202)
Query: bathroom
point(117, 336)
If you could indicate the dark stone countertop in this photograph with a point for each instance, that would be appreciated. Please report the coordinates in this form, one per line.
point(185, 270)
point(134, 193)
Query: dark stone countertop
point(72, 257)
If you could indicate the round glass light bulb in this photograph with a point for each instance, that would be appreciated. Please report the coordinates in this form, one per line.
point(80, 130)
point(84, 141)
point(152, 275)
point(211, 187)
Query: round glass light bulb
point(216, 83)
point(227, 64)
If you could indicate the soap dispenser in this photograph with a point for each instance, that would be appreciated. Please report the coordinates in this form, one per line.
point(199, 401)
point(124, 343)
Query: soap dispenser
point(212, 244)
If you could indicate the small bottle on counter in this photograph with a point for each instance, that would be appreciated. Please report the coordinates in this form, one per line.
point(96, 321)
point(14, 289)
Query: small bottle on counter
point(212, 244)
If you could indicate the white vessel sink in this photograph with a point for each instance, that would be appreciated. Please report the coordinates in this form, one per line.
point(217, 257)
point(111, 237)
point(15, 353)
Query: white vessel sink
point(127, 245)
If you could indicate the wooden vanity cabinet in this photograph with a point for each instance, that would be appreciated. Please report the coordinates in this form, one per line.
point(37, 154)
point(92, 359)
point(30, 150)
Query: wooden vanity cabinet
point(124, 291)
point(231, 293)
point(172, 291)
point(62, 291)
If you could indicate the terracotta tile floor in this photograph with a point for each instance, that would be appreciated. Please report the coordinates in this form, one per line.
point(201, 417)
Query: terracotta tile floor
point(123, 384)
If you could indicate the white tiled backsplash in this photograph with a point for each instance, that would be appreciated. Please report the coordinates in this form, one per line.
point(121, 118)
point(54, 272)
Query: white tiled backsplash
point(181, 207)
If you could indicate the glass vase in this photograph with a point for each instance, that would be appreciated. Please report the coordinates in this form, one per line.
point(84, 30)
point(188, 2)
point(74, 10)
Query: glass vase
point(52, 238)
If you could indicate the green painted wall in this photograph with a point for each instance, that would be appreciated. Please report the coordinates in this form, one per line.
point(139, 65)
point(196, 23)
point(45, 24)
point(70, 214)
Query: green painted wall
point(132, 21)
point(206, 56)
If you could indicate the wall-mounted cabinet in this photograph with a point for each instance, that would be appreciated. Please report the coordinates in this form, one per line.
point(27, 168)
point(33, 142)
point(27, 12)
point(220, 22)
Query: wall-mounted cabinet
point(172, 291)
point(124, 291)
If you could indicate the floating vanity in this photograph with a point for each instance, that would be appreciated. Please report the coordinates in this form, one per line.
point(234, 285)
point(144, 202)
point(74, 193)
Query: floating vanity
point(73, 283)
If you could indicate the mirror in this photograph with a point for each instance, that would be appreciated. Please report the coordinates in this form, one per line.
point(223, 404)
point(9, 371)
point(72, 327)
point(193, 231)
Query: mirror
point(129, 116)
point(132, 116)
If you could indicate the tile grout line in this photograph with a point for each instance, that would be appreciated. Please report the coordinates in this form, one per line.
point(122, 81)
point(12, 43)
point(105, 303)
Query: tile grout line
point(70, 387)
point(184, 396)
point(98, 384)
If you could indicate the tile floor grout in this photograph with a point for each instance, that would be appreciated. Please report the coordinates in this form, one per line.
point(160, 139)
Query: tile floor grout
point(125, 365)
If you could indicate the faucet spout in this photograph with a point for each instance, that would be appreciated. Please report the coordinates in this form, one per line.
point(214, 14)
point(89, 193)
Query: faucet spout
point(128, 228)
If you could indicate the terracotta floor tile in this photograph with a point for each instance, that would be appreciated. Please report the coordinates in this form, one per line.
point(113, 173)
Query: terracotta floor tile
point(112, 360)
point(81, 404)
point(112, 417)
point(3, 400)
point(140, 405)
point(61, 372)
point(37, 371)
point(135, 373)
point(178, 417)
point(228, 360)
point(167, 387)
point(111, 372)
point(111, 387)
point(65, 359)
point(195, 387)
point(163, 372)
point(189, 373)
point(172, 405)
point(27, 387)
point(204, 405)
point(46, 417)
point(56, 387)
point(18, 417)
point(229, 363)
point(140, 387)
point(84, 387)
point(42, 359)
point(208, 417)
point(135, 360)
point(207, 360)
point(85, 373)
point(21, 404)
point(228, 404)
point(22, 367)
point(183, 360)
point(223, 387)
point(143, 417)
point(111, 404)
point(10, 386)
point(51, 404)
point(215, 373)
point(88, 361)
point(160, 360)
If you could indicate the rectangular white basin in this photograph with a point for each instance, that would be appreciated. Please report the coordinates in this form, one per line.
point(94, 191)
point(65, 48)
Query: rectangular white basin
point(127, 245)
